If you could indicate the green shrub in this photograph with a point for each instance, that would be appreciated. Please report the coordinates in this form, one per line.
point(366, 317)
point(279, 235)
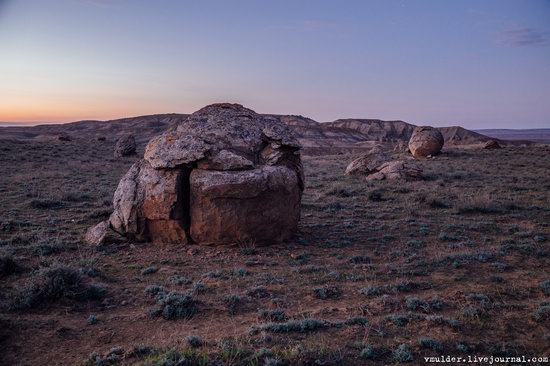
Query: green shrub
point(360, 259)
point(545, 286)
point(542, 313)
point(277, 315)
point(430, 343)
point(403, 353)
point(301, 326)
point(398, 319)
point(232, 303)
point(375, 196)
point(56, 283)
point(154, 290)
point(440, 320)
point(327, 292)
point(373, 353)
point(258, 292)
point(46, 204)
point(194, 341)
point(174, 305)
point(416, 304)
point(92, 319)
point(373, 290)
point(356, 320)
point(179, 280)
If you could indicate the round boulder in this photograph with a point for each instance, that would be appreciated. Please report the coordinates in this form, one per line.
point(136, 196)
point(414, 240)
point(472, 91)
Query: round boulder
point(224, 175)
point(125, 146)
point(425, 141)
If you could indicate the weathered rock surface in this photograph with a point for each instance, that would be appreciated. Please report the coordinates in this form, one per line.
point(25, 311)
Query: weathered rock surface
point(398, 169)
point(425, 141)
point(172, 149)
point(149, 203)
point(225, 160)
point(223, 175)
point(262, 205)
point(491, 145)
point(96, 234)
point(401, 147)
point(125, 146)
point(367, 163)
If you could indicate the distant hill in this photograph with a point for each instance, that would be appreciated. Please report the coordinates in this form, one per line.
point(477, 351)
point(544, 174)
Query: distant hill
point(376, 129)
point(339, 134)
point(457, 135)
point(142, 127)
point(541, 135)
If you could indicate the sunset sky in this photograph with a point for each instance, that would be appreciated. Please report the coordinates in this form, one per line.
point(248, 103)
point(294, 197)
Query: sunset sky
point(479, 64)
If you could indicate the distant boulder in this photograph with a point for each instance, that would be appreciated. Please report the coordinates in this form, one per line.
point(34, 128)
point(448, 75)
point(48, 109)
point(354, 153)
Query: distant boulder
point(377, 165)
point(425, 141)
point(125, 146)
point(491, 145)
point(63, 137)
point(398, 169)
point(367, 163)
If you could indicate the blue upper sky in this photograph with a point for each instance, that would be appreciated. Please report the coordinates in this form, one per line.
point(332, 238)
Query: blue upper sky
point(479, 64)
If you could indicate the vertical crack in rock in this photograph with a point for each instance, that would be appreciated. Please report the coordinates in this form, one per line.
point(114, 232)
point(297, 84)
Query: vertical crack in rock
point(181, 211)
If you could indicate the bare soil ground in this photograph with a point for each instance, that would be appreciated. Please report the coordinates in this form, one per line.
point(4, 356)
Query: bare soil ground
point(379, 273)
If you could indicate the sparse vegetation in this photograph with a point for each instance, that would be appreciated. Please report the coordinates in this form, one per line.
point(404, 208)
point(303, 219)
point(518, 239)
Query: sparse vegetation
point(194, 341)
point(403, 353)
point(301, 326)
point(56, 283)
point(232, 303)
point(8, 266)
point(327, 292)
point(445, 263)
point(149, 270)
point(174, 305)
point(277, 315)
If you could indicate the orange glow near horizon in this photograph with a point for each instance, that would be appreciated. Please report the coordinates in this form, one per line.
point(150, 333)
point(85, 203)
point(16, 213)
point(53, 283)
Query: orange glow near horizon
point(72, 109)
point(54, 114)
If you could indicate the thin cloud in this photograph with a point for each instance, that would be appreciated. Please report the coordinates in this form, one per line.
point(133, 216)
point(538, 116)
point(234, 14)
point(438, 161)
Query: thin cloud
point(523, 37)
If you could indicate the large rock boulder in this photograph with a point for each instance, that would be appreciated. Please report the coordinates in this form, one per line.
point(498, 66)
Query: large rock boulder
point(224, 175)
point(125, 146)
point(425, 141)
point(377, 165)
point(398, 169)
point(367, 163)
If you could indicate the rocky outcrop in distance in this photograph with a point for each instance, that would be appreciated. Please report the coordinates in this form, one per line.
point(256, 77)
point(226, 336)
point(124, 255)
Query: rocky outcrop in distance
point(344, 134)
